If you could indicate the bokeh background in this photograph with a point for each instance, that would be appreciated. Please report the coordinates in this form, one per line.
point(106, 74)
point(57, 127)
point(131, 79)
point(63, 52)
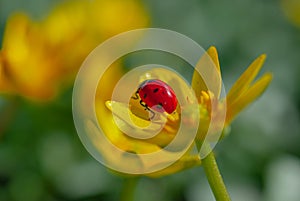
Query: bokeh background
point(42, 158)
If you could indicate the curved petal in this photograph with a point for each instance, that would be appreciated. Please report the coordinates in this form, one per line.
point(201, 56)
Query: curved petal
point(187, 161)
point(242, 84)
point(247, 97)
point(212, 52)
point(209, 65)
point(128, 122)
point(27, 68)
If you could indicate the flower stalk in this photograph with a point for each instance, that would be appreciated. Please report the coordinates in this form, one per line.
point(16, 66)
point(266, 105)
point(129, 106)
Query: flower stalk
point(129, 186)
point(214, 178)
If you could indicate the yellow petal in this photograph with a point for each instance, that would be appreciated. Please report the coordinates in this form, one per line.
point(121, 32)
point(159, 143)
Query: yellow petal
point(242, 84)
point(27, 68)
point(15, 40)
point(249, 96)
point(190, 159)
point(209, 66)
point(135, 108)
point(212, 52)
point(180, 165)
point(65, 22)
point(108, 151)
point(128, 122)
point(112, 17)
point(119, 139)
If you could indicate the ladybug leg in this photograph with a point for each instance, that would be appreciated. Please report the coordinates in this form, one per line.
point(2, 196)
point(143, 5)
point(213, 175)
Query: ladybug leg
point(135, 97)
point(147, 108)
point(152, 113)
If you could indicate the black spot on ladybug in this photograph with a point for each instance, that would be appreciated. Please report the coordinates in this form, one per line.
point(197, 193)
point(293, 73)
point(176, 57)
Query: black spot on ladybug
point(162, 96)
point(155, 90)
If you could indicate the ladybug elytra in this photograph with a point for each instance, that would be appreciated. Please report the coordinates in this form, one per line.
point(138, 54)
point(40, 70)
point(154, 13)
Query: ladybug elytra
point(157, 95)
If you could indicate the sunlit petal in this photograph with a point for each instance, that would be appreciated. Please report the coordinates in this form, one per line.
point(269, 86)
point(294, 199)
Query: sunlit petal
point(242, 84)
point(248, 96)
point(187, 161)
point(209, 66)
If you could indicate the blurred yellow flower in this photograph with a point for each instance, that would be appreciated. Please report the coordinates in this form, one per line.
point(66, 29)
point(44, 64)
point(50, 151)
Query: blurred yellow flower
point(243, 92)
point(40, 57)
point(291, 9)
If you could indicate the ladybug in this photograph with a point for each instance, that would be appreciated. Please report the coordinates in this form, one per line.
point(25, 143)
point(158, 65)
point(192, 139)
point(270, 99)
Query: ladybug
point(157, 95)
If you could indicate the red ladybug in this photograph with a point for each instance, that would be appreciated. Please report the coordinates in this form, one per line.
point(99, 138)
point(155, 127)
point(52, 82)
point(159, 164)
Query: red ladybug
point(157, 95)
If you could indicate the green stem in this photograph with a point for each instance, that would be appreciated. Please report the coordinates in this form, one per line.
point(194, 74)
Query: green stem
point(128, 190)
point(214, 178)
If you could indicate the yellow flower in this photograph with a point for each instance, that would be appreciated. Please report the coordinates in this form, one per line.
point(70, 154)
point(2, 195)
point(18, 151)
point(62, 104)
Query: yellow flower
point(25, 67)
point(243, 92)
point(40, 57)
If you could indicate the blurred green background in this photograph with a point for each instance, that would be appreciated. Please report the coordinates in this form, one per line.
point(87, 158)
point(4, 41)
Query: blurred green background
point(42, 158)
